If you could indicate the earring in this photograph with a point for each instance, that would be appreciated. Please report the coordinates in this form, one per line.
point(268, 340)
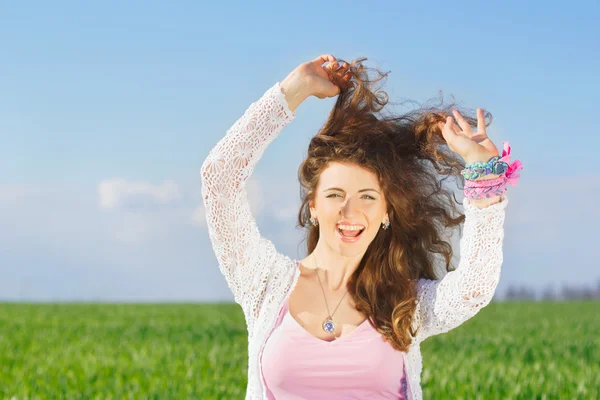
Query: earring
point(314, 221)
point(386, 224)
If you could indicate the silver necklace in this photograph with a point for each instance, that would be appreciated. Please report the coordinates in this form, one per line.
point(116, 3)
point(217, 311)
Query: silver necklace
point(328, 323)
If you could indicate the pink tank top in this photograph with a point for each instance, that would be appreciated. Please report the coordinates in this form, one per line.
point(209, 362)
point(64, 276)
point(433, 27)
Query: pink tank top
point(359, 365)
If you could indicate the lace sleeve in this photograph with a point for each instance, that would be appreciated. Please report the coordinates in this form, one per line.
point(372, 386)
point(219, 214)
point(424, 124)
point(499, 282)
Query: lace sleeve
point(241, 251)
point(445, 304)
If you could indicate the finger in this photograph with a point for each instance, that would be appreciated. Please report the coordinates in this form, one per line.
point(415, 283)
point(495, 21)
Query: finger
point(448, 129)
point(340, 69)
point(330, 68)
point(342, 72)
point(323, 58)
point(455, 127)
point(480, 121)
point(463, 123)
point(344, 81)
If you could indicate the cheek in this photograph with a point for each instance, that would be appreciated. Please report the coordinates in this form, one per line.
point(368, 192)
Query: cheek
point(330, 213)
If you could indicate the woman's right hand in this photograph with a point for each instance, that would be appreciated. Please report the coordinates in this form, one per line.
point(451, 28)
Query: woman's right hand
point(313, 79)
point(325, 81)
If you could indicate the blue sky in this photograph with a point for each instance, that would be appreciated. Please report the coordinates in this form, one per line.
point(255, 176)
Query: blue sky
point(108, 110)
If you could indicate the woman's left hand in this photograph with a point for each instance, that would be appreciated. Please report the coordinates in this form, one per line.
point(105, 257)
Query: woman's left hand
point(471, 146)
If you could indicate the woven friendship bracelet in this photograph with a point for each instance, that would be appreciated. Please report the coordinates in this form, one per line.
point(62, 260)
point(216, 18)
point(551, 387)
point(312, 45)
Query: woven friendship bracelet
point(496, 165)
point(479, 189)
point(486, 188)
point(486, 182)
point(479, 169)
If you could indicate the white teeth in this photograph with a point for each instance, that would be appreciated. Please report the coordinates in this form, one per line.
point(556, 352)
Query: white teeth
point(350, 228)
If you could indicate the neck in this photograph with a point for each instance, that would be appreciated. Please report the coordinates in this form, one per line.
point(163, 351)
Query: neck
point(339, 268)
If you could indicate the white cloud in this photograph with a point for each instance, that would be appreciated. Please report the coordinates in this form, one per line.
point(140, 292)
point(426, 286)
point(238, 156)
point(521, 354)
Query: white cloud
point(61, 231)
point(115, 193)
point(139, 206)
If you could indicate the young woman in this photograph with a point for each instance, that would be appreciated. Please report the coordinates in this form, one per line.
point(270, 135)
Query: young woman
point(346, 322)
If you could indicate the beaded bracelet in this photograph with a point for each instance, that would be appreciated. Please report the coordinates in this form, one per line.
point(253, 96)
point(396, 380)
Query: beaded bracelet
point(496, 165)
point(479, 189)
point(478, 169)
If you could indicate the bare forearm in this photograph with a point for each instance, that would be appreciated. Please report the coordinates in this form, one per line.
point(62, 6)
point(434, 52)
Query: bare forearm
point(294, 89)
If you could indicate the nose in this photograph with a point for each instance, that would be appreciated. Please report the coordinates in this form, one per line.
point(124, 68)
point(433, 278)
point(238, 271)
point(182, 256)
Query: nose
point(348, 209)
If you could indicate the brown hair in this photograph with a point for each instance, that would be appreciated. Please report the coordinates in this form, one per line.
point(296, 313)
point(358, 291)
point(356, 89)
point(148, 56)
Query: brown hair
point(411, 159)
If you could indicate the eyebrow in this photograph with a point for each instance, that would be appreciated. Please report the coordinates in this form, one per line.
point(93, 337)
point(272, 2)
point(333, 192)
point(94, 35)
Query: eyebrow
point(360, 191)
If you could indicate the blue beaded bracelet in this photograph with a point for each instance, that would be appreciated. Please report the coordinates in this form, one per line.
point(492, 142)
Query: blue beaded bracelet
point(478, 169)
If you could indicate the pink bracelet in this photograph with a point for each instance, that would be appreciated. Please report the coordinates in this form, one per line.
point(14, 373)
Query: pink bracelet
point(480, 189)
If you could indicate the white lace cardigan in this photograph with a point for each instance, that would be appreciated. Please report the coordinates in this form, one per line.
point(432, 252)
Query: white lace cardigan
point(260, 277)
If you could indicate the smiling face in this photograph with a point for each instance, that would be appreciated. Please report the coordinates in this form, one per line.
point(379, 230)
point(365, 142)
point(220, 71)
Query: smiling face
point(351, 194)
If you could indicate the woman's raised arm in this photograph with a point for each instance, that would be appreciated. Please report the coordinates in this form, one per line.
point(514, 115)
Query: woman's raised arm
point(447, 303)
point(245, 257)
point(234, 234)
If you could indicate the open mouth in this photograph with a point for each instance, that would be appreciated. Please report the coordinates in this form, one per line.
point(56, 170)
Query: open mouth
point(350, 234)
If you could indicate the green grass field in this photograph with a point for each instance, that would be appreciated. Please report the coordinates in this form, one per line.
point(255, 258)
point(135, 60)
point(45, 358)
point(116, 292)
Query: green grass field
point(198, 351)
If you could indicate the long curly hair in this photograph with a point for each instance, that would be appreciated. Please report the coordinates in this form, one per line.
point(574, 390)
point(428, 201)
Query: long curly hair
point(411, 159)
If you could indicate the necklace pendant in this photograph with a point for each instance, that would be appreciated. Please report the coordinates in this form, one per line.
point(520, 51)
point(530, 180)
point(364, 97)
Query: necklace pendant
point(329, 325)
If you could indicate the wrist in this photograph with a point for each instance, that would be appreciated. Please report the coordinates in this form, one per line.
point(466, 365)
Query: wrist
point(488, 201)
point(481, 202)
point(294, 90)
point(486, 177)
